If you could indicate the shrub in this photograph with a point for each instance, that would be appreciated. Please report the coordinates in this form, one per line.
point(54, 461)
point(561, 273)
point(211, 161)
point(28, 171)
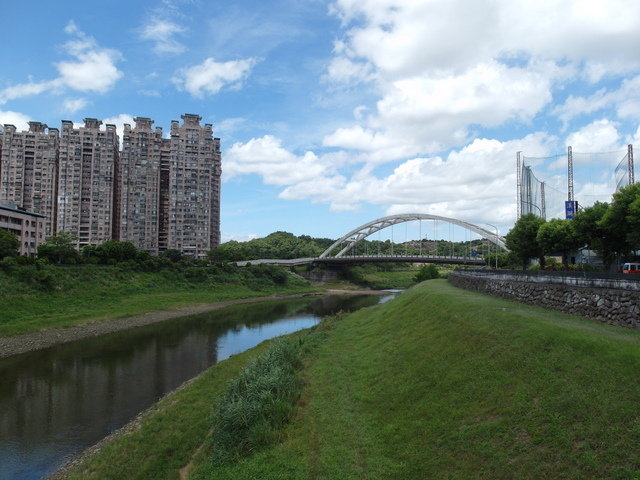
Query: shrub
point(24, 260)
point(9, 264)
point(427, 272)
point(196, 275)
point(260, 276)
point(257, 404)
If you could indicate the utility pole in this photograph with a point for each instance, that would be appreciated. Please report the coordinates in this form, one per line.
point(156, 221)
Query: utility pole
point(630, 164)
point(570, 172)
point(519, 186)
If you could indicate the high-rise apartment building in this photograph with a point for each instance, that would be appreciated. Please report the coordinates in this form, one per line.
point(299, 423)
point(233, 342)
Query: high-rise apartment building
point(190, 186)
point(87, 176)
point(158, 193)
point(139, 186)
point(29, 170)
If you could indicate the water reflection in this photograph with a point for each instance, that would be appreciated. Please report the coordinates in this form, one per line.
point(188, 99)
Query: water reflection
point(58, 401)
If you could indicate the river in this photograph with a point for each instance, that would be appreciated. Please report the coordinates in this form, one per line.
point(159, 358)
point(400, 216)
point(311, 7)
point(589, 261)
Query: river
point(56, 402)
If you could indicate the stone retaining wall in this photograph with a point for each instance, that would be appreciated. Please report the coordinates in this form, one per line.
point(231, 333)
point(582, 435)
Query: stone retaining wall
point(611, 306)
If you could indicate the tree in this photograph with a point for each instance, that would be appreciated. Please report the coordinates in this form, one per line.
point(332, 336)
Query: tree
point(594, 233)
point(275, 245)
point(558, 236)
point(427, 272)
point(621, 221)
point(116, 251)
point(9, 244)
point(522, 241)
point(59, 248)
point(230, 251)
point(172, 255)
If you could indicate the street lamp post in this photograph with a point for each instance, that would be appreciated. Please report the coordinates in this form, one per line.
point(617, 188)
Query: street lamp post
point(542, 215)
point(496, 242)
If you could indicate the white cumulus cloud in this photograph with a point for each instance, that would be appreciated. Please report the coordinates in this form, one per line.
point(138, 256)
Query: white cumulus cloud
point(599, 136)
point(209, 77)
point(162, 33)
point(93, 69)
point(443, 69)
point(73, 105)
point(17, 119)
point(266, 157)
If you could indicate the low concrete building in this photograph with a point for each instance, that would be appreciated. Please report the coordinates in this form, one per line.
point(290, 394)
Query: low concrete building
point(27, 226)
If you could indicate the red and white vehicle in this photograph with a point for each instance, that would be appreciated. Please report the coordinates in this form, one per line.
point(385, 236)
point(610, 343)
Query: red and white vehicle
point(631, 268)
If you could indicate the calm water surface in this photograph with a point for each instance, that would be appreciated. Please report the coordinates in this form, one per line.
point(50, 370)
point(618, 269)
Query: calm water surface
point(56, 402)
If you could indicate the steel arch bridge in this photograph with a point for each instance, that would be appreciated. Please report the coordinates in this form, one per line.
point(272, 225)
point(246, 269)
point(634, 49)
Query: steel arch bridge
point(362, 232)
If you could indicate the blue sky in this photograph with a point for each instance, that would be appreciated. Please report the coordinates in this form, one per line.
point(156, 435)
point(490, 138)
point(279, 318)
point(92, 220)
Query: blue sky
point(334, 113)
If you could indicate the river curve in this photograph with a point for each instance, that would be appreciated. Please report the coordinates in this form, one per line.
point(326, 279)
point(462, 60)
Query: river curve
point(55, 402)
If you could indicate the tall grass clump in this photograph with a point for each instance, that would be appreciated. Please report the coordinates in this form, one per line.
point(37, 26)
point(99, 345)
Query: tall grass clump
point(257, 404)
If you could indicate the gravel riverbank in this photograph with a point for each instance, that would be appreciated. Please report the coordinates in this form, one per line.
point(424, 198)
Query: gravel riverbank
point(18, 344)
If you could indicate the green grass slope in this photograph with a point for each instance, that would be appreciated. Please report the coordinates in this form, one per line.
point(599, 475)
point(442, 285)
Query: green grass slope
point(53, 297)
point(438, 383)
point(445, 383)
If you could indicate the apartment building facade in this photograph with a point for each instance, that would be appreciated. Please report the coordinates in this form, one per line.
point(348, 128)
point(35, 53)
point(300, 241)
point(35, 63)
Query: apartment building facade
point(159, 193)
point(139, 186)
point(28, 227)
point(87, 178)
point(190, 176)
point(29, 170)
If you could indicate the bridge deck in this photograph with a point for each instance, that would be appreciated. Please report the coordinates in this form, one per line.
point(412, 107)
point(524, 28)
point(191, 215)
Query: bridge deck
point(369, 259)
point(401, 258)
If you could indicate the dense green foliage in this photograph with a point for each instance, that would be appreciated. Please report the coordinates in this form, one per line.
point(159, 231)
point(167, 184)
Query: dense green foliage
point(622, 220)
point(9, 244)
point(559, 236)
point(112, 251)
point(596, 235)
point(281, 245)
point(59, 248)
point(284, 245)
point(442, 248)
point(522, 239)
point(438, 383)
point(256, 405)
point(39, 296)
point(380, 276)
point(427, 272)
point(611, 230)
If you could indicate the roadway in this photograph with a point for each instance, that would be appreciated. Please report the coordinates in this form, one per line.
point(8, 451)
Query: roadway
point(346, 260)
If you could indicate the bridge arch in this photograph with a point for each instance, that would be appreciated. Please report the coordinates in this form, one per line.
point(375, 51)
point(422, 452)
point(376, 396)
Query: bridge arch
point(362, 232)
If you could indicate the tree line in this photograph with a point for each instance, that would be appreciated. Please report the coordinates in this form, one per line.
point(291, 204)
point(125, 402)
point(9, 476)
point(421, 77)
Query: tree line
point(61, 249)
point(611, 230)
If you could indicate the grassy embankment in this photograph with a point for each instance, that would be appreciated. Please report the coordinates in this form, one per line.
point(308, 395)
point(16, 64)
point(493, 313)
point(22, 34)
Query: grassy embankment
point(33, 299)
point(438, 383)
